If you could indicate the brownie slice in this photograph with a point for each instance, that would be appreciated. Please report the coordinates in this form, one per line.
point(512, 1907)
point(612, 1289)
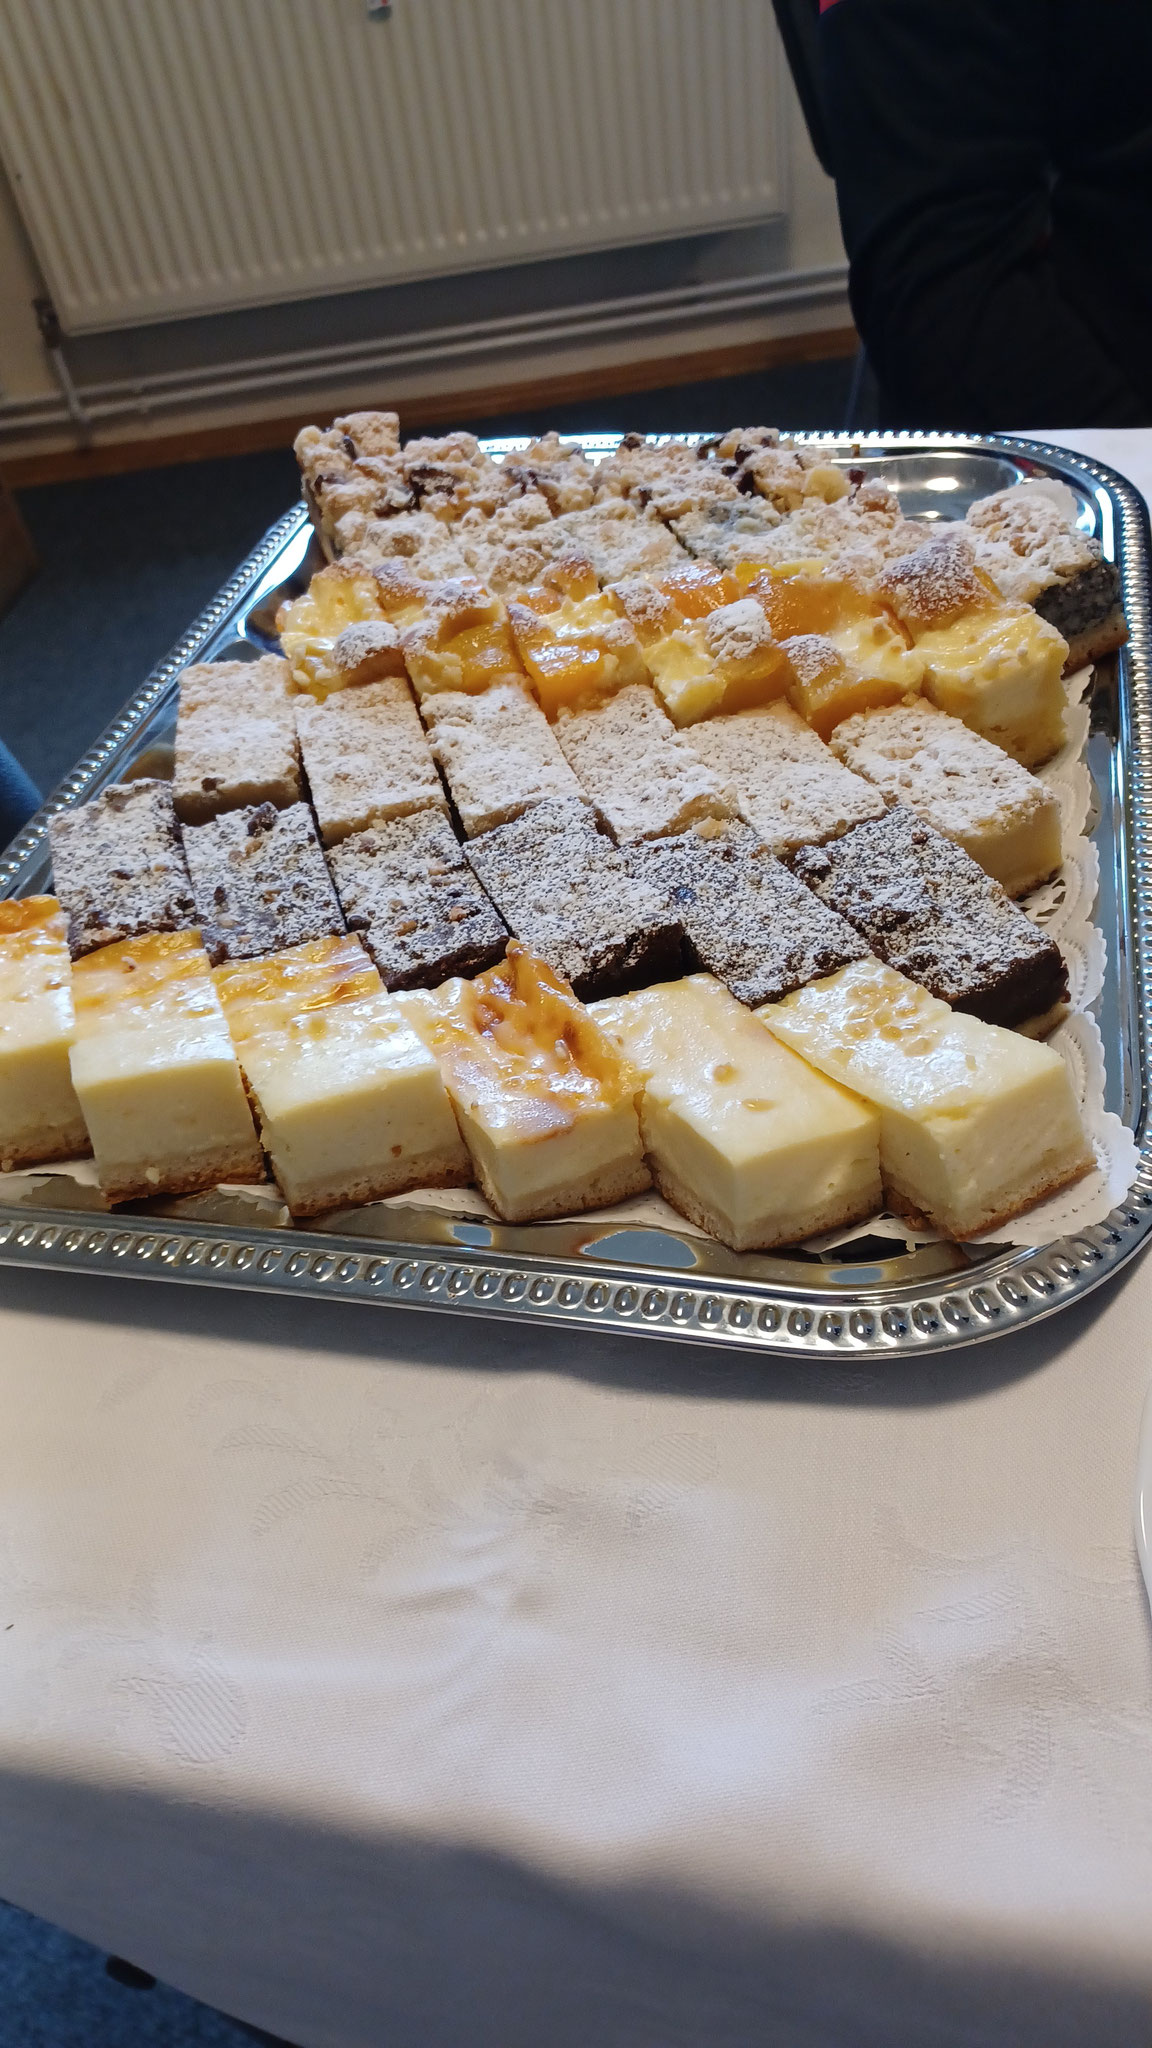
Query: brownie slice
point(119, 868)
point(748, 921)
point(572, 897)
point(260, 882)
point(927, 909)
point(407, 889)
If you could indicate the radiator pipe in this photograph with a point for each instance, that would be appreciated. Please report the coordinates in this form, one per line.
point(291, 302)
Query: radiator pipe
point(119, 398)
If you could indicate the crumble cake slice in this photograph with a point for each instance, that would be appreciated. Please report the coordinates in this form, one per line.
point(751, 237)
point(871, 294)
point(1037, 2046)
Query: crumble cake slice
point(235, 738)
point(641, 777)
point(366, 757)
point(963, 785)
point(790, 788)
point(497, 752)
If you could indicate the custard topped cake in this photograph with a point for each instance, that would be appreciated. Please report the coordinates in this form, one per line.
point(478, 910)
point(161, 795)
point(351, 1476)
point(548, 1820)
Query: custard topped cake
point(574, 639)
point(704, 657)
point(461, 641)
point(40, 1117)
point(546, 1104)
point(235, 738)
point(844, 646)
point(996, 665)
point(342, 631)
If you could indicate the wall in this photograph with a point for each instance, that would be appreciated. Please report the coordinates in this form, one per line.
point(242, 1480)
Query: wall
point(801, 257)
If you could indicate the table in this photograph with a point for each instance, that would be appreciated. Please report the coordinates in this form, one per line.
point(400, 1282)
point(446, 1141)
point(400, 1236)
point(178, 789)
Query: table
point(386, 1678)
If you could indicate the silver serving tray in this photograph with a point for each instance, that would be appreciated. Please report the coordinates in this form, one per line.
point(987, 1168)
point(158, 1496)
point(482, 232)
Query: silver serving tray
point(857, 1298)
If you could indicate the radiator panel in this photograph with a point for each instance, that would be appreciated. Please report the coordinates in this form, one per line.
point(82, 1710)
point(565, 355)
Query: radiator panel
point(180, 159)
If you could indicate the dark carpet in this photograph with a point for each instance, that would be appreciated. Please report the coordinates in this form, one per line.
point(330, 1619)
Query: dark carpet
point(128, 562)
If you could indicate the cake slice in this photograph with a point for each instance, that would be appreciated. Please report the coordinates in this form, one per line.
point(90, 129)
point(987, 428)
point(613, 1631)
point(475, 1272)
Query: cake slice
point(349, 1100)
point(451, 475)
point(643, 780)
point(352, 462)
point(844, 646)
point(260, 882)
point(996, 665)
point(574, 640)
point(235, 739)
point(559, 471)
point(788, 785)
point(407, 888)
point(742, 1137)
point(545, 1103)
point(497, 752)
point(461, 641)
point(730, 533)
point(704, 658)
point(572, 897)
point(1028, 541)
point(926, 908)
point(963, 785)
point(155, 1072)
point(40, 1117)
point(366, 758)
point(344, 629)
point(976, 1123)
point(119, 866)
point(746, 919)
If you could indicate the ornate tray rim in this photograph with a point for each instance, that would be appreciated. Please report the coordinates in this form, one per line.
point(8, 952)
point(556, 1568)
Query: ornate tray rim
point(1010, 1289)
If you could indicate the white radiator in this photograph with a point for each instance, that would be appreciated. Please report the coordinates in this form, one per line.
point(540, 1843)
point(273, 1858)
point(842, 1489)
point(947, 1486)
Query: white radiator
point(173, 157)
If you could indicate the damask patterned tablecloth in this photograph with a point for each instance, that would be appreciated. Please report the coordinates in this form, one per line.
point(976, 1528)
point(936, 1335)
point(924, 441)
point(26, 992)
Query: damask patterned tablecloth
point(397, 1679)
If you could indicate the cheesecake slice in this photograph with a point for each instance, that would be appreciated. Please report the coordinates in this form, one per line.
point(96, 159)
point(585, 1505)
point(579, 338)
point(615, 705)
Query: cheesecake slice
point(497, 752)
point(546, 1104)
point(641, 777)
point(366, 757)
point(155, 1071)
point(40, 1117)
point(924, 906)
point(235, 739)
point(350, 1102)
point(962, 785)
point(994, 664)
point(976, 1123)
point(787, 783)
point(742, 1136)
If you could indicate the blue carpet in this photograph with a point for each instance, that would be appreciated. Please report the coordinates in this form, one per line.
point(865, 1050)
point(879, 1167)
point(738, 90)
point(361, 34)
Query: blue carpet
point(56, 1993)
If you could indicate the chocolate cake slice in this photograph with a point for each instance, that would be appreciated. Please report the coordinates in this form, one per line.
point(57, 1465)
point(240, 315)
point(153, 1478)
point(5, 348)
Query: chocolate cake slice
point(748, 920)
point(574, 899)
point(409, 892)
point(119, 868)
point(927, 909)
point(260, 882)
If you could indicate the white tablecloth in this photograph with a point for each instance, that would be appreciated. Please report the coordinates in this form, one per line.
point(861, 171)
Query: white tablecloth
point(395, 1679)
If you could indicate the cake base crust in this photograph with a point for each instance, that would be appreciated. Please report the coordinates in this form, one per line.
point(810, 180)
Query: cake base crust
point(188, 1176)
point(612, 1184)
point(72, 1142)
point(901, 1205)
point(405, 1177)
